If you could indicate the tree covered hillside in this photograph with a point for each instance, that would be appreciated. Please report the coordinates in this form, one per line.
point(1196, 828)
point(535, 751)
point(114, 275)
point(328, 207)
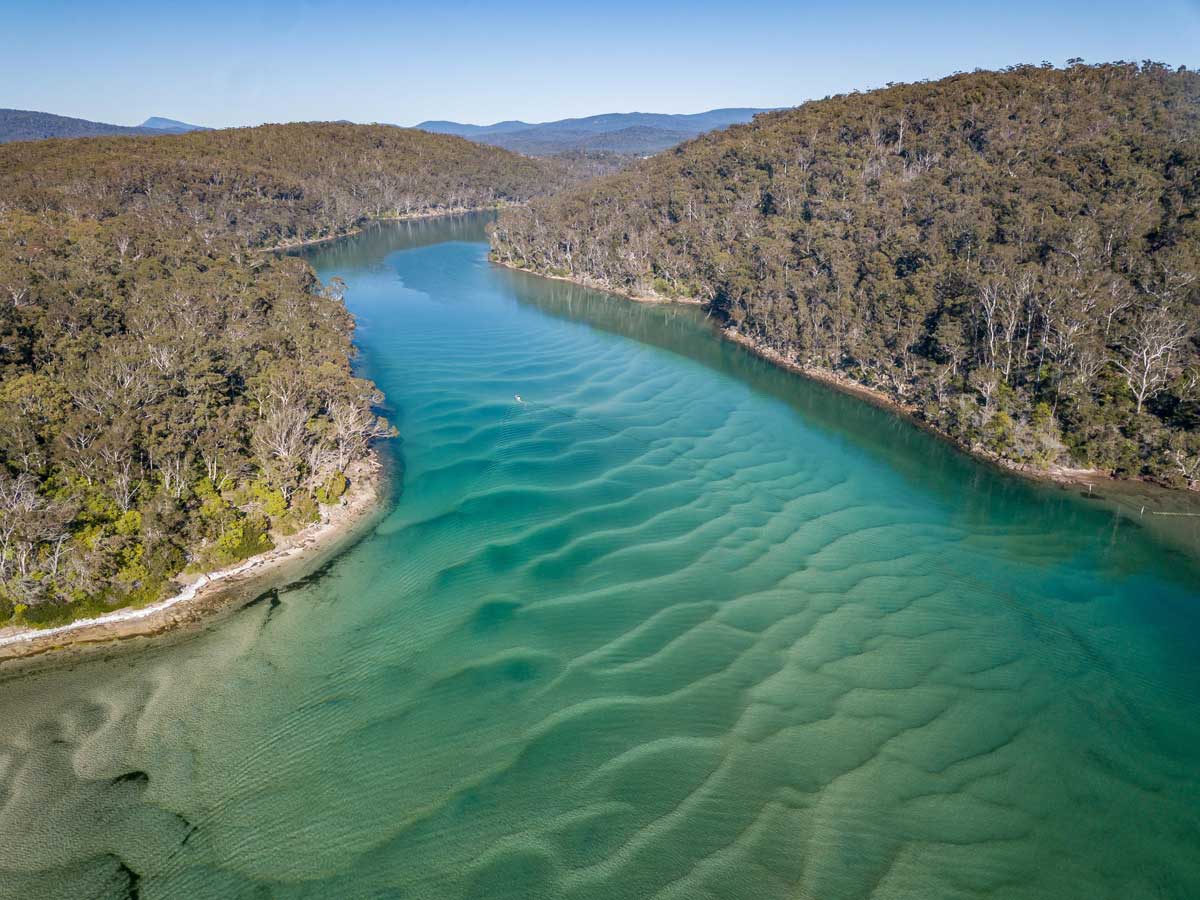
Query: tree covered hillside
point(30, 125)
point(1015, 254)
point(168, 396)
point(272, 184)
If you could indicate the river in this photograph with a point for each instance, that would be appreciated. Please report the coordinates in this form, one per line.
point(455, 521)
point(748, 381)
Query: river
point(675, 624)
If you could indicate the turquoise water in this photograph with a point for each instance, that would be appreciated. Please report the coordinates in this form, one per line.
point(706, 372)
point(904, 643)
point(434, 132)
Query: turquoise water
point(678, 626)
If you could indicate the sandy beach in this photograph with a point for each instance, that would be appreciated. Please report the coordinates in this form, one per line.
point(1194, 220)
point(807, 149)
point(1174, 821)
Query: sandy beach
point(203, 596)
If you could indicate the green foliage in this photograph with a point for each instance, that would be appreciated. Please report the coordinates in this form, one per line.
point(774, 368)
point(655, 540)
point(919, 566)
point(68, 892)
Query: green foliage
point(305, 510)
point(332, 489)
point(128, 523)
point(215, 514)
point(1024, 241)
point(273, 503)
point(1042, 417)
point(204, 489)
point(1000, 433)
point(131, 570)
point(165, 389)
point(49, 615)
point(247, 536)
point(664, 288)
point(302, 513)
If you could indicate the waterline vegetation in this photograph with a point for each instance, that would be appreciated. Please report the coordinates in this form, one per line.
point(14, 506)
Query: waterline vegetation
point(171, 399)
point(1012, 255)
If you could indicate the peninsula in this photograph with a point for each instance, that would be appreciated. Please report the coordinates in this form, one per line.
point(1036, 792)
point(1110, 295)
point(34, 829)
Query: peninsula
point(172, 403)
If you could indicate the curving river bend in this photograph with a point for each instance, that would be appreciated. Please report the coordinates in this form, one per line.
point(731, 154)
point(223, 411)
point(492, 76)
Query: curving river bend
point(680, 625)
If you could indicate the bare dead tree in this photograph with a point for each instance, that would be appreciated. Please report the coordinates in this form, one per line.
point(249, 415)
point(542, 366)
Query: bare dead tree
point(1145, 356)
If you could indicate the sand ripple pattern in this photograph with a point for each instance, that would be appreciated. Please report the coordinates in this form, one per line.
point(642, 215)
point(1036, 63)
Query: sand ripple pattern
point(651, 634)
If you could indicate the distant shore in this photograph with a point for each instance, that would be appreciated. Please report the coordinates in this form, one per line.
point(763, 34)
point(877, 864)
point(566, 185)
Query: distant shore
point(205, 595)
point(404, 217)
point(584, 281)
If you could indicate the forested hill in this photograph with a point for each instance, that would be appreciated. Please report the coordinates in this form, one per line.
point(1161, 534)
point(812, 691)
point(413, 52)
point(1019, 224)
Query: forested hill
point(1015, 254)
point(168, 397)
point(272, 184)
point(29, 125)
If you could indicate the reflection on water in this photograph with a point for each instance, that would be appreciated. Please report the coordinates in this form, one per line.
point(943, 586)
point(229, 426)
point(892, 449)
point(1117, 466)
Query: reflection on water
point(680, 625)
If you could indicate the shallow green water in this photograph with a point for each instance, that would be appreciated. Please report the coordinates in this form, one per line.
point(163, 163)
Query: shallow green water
point(678, 626)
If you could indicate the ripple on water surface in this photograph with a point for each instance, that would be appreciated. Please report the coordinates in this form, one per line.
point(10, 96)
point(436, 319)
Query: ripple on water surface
point(677, 626)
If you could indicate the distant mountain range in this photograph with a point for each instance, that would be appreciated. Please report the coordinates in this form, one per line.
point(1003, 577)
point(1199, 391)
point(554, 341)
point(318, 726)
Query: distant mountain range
point(28, 125)
point(158, 123)
point(625, 133)
point(641, 133)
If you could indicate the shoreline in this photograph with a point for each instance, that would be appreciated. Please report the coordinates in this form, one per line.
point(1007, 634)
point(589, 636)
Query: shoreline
point(1053, 474)
point(211, 592)
point(369, 220)
point(1172, 514)
point(1056, 474)
point(650, 297)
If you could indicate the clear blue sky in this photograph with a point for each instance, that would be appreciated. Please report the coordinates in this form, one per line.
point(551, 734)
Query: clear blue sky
point(224, 63)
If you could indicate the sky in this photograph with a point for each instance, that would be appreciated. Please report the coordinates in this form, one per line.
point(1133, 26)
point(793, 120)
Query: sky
point(227, 63)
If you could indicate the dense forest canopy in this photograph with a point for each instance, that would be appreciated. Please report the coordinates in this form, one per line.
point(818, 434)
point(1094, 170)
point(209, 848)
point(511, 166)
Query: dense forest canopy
point(30, 125)
point(169, 396)
point(270, 185)
point(1013, 254)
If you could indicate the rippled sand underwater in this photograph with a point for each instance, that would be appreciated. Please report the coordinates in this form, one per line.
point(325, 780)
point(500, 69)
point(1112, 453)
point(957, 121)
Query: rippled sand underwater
point(677, 626)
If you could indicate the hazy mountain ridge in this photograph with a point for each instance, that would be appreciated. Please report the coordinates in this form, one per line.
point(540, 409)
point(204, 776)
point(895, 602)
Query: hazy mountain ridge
point(634, 132)
point(174, 126)
point(622, 133)
point(32, 125)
